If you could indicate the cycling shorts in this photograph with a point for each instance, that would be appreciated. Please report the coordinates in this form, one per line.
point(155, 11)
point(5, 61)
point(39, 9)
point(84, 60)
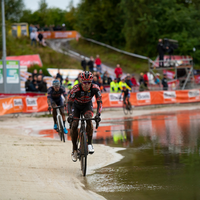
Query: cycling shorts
point(58, 102)
point(84, 108)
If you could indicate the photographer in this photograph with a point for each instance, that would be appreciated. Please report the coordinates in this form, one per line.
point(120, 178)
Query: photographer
point(161, 51)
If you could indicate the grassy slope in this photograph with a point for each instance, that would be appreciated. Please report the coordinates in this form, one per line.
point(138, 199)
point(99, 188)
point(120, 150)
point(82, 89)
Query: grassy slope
point(109, 57)
point(49, 57)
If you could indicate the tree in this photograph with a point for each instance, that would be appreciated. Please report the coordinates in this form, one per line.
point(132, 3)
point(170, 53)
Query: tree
point(13, 9)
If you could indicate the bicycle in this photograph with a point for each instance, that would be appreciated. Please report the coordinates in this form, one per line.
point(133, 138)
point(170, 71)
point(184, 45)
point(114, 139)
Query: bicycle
point(82, 142)
point(127, 107)
point(59, 123)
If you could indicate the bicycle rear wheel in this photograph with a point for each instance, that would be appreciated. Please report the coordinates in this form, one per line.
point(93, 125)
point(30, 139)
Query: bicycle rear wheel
point(131, 109)
point(84, 152)
point(124, 109)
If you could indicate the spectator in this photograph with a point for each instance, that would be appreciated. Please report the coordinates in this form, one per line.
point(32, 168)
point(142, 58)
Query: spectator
point(141, 81)
point(78, 79)
point(114, 86)
point(98, 63)
point(150, 78)
point(58, 75)
point(33, 37)
point(27, 83)
point(101, 86)
point(119, 78)
point(84, 64)
point(46, 28)
point(145, 77)
point(164, 82)
point(95, 80)
point(157, 79)
point(106, 79)
point(98, 76)
point(128, 80)
point(33, 86)
point(118, 70)
point(42, 85)
point(91, 64)
point(161, 51)
point(67, 84)
point(40, 38)
point(41, 73)
point(34, 74)
point(95, 68)
point(133, 80)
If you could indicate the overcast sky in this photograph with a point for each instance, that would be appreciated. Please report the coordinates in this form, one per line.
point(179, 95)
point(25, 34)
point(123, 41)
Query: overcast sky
point(62, 4)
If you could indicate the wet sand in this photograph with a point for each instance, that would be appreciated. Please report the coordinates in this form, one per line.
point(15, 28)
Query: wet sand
point(41, 168)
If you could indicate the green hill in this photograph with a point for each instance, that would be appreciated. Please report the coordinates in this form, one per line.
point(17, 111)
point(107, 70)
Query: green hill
point(109, 57)
point(49, 57)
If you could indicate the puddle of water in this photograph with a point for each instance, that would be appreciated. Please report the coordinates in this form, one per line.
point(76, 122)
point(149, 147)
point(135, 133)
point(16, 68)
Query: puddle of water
point(162, 160)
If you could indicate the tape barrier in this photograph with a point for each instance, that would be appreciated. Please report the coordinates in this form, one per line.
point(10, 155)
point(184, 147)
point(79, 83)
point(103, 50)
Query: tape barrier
point(29, 104)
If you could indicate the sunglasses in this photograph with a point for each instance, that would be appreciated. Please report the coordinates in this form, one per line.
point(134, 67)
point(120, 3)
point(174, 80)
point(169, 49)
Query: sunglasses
point(87, 82)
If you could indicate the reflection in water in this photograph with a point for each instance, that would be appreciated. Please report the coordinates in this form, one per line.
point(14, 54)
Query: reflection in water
point(162, 159)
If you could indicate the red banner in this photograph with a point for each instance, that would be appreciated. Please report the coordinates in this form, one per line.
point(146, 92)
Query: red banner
point(27, 60)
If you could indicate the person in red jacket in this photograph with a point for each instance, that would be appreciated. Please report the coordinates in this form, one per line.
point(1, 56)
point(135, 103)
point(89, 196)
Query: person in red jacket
point(146, 80)
point(118, 71)
point(98, 63)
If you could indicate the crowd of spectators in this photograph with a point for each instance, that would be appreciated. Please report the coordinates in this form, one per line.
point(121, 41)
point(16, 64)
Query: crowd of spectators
point(36, 83)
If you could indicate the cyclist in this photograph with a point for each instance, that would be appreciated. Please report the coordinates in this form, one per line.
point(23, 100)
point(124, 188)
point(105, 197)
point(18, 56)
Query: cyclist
point(126, 95)
point(80, 100)
point(54, 97)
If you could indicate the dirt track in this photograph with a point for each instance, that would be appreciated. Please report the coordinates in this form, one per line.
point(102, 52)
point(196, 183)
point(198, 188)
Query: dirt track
point(40, 168)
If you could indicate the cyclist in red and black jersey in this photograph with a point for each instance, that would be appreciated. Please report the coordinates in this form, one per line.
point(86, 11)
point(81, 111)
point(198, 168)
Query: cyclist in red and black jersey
point(80, 100)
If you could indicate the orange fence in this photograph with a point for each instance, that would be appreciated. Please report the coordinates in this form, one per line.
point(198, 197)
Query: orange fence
point(59, 34)
point(22, 104)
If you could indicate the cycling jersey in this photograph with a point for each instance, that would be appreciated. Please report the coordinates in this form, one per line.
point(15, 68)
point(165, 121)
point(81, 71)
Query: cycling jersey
point(126, 93)
point(56, 96)
point(81, 97)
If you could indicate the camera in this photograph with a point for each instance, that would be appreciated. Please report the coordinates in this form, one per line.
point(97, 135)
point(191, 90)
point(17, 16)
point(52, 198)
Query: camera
point(171, 44)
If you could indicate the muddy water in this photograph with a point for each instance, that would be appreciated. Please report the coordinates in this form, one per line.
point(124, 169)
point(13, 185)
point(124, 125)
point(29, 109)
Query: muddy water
point(162, 159)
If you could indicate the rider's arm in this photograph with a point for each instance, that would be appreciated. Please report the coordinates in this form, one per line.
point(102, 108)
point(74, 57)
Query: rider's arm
point(99, 99)
point(49, 91)
point(71, 98)
point(64, 93)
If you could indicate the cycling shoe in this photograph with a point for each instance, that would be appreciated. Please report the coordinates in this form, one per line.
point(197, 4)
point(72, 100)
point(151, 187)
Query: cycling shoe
point(55, 126)
point(65, 131)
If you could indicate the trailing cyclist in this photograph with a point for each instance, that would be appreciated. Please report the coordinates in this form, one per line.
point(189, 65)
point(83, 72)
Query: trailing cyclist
point(54, 98)
point(80, 100)
point(126, 96)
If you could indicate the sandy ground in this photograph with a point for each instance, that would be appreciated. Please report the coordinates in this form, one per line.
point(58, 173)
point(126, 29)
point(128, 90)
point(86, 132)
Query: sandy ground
point(41, 168)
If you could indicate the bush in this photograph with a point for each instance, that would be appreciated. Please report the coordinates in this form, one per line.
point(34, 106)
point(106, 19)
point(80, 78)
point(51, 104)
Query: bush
point(44, 69)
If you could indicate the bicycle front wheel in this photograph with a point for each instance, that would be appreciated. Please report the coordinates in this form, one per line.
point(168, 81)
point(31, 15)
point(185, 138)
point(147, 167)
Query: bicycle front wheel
point(84, 153)
point(62, 135)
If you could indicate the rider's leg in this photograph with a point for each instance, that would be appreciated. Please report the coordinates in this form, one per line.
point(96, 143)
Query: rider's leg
point(74, 134)
point(89, 130)
point(54, 115)
point(89, 127)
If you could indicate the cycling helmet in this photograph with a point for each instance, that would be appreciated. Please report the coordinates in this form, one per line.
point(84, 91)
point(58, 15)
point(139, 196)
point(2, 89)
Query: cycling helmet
point(56, 83)
point(123, 86)
point(86, 76)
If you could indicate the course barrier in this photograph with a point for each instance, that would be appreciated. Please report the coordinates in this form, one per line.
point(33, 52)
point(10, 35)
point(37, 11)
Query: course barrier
point(32, 104)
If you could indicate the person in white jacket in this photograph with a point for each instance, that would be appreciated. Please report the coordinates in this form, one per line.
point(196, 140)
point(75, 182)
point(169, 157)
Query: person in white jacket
point(33, 37)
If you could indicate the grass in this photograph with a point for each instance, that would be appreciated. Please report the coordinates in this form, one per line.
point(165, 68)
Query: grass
point(49, 57)
point(109, 57)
